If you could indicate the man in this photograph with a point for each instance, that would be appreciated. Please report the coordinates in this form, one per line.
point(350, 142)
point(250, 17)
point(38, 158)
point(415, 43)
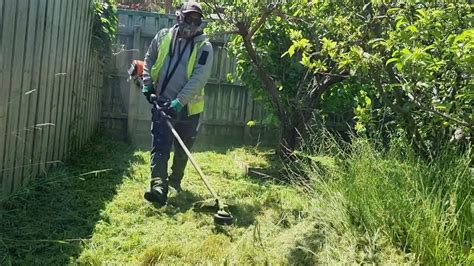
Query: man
point(177, 67)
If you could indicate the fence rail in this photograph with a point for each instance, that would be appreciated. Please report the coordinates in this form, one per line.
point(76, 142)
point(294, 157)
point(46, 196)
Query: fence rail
point(50, 88)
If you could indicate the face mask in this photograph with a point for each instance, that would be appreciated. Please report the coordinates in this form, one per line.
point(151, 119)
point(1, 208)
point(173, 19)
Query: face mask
point(188, 27)
point(187, 30)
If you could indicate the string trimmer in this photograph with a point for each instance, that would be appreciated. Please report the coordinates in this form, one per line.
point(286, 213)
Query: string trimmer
point(222, 216)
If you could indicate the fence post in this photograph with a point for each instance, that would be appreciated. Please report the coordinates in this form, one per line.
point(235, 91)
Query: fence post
point(136, 41)
point(134, 103)
point(248, 116)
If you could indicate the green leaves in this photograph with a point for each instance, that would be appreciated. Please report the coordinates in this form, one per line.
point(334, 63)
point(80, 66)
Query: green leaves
point(417, 53)
point(413, 61)
point(400, 22)
point(329, 46)
point(392, 60)
point(299, 43)
point(411, 28)
point(374, 43)
point(290, 51)
point(104, 28)
point(251, 123)
point(465, 36)
point(295, 34)
point(305, 60)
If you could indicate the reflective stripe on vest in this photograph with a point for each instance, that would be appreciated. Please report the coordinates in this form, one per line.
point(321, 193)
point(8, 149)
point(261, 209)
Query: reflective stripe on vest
point(196, 104)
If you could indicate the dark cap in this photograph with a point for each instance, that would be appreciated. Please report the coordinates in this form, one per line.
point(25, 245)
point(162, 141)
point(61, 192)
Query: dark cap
point(191, 6)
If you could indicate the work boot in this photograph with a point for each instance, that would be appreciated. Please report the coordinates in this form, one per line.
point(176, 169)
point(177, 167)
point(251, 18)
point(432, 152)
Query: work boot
point(158, 193)
point(175, 183)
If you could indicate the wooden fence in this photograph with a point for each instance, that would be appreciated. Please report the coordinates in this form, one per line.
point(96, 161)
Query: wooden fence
point(50, 86)
point(228, 106)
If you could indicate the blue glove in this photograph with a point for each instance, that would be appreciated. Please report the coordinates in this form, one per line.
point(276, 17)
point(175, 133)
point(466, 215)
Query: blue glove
point(176, 105)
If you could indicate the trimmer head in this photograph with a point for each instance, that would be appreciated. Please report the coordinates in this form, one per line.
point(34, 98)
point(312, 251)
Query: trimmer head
point(223, 218)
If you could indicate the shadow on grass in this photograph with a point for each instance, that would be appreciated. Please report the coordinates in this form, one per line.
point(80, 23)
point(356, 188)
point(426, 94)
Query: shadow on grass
point(218, 148)
point(245, 214)
point(47, 222)
point(222, 145)
point(182, 202)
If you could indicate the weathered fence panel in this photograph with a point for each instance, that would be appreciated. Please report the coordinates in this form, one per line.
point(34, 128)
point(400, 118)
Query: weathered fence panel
point(51, 86)
point(228, 106)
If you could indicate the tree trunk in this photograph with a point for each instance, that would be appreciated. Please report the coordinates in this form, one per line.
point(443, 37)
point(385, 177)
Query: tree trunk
point(168, 6)
point(287, 143)
point(293, 129)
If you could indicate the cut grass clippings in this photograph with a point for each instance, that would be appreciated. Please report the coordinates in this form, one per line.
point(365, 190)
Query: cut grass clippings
point(92, 211)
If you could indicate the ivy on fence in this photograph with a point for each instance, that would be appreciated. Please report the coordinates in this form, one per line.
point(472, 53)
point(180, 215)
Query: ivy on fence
point(104, 28)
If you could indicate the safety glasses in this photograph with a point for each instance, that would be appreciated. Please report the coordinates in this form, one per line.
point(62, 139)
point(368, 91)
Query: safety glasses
point(193, 20)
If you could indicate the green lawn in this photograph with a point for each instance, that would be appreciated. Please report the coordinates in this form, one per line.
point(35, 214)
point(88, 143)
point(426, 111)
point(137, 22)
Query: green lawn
point(92, 211)
point(359, 207)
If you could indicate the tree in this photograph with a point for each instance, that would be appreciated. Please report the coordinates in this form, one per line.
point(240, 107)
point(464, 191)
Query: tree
point(261, 37)
point(414, 59)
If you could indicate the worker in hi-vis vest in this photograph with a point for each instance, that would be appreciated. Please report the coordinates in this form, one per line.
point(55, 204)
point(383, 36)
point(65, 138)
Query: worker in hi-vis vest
point(178, 64)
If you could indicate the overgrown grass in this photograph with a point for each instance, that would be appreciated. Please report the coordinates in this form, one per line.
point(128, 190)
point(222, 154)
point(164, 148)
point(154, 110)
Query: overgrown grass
point(425, 207)
point(361, 206)
point(395, 199)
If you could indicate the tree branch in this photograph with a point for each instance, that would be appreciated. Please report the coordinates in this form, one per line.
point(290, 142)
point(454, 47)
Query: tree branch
point(434, 111)
point(246, 33)
point(340, 75)
point(394, 79)
point(215, 8)
point(410, 126)
point(268, 82)
point(301, 83)
point(331, 79)
point(266, 13)
point(224, 33)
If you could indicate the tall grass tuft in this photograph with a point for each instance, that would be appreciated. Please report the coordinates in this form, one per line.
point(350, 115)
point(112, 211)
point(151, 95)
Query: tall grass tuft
point(422, 207)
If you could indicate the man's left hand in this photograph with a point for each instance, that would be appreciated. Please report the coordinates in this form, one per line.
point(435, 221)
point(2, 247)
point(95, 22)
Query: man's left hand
point(176, 105)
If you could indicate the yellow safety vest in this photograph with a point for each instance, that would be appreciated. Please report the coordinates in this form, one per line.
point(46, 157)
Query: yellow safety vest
point(196, 104)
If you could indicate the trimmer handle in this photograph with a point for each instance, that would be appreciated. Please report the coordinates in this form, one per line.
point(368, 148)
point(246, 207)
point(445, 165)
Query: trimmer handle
point(162, 104)
point(160, 109)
